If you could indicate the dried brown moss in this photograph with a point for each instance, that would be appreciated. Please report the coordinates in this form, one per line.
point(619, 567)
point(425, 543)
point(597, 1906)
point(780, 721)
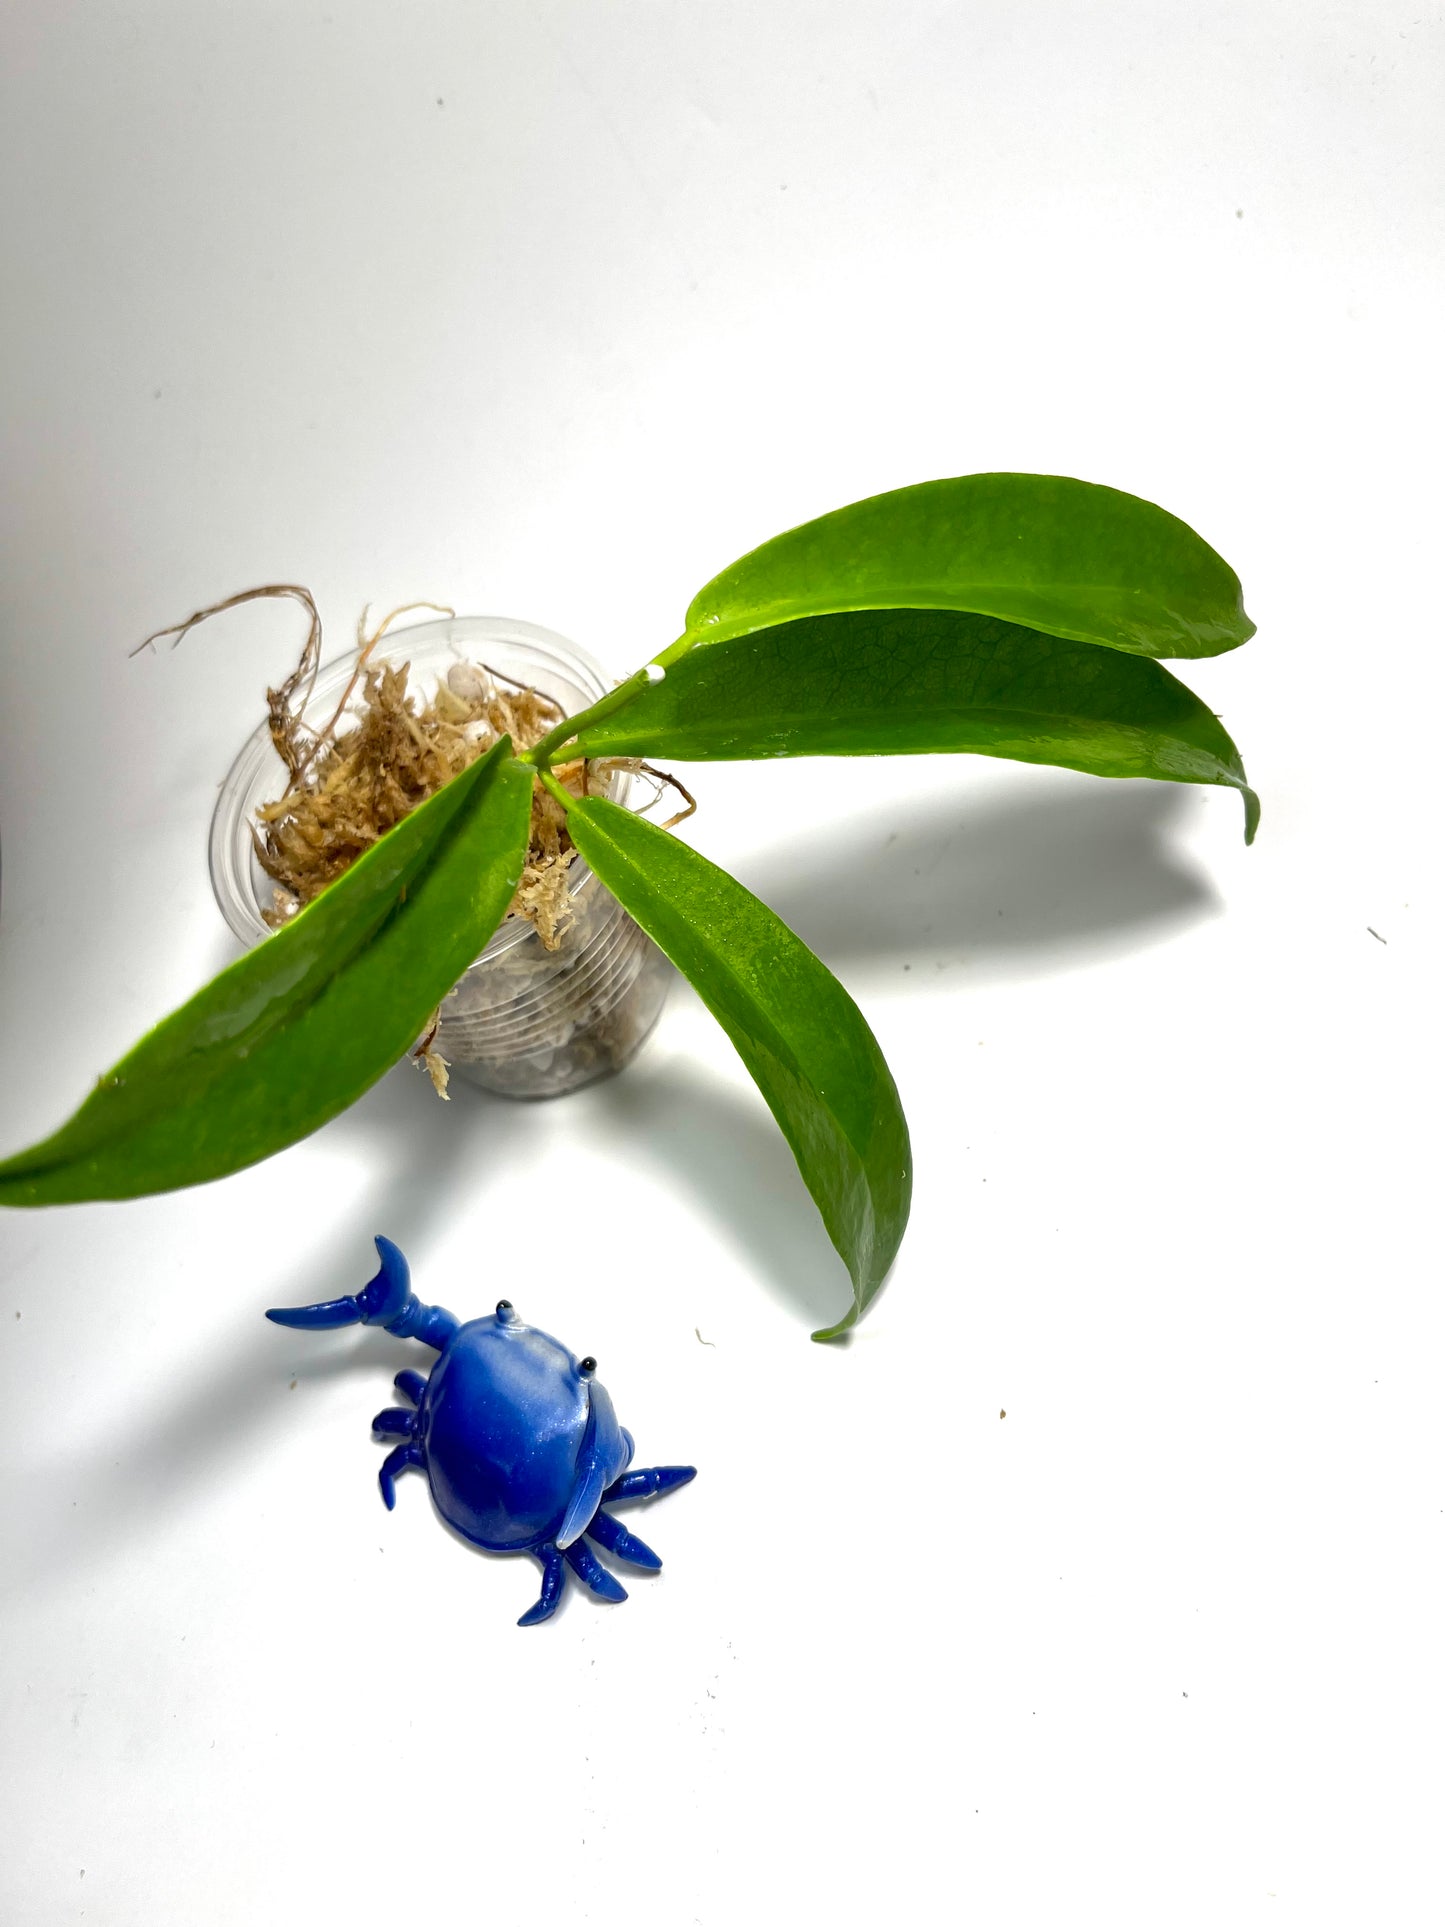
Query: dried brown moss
point(384, 752)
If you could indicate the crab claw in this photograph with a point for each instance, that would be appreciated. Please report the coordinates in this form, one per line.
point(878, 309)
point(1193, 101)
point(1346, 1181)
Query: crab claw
point(318, 1318)
point(383, 1300)
point(389, 1292)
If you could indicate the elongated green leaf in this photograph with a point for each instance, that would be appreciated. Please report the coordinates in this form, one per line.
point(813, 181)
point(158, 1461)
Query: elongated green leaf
point(895, 682)
point(1071, 558)
point(298, 1028)
point(798, 1031)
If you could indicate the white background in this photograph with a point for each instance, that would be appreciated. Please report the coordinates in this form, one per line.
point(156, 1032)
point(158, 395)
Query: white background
point(550, 310)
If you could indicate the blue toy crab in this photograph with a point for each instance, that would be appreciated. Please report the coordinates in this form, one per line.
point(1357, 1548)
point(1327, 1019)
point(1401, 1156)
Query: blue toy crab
point(518, 1440)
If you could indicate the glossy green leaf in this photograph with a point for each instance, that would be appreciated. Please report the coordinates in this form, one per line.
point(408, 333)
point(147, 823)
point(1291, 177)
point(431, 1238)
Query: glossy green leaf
point(798, 1031)
point(298, 1028)
point(900, 681)
point(1071, 558)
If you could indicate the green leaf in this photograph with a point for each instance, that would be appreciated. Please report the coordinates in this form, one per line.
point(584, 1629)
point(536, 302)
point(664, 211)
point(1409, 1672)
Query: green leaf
point(798, 1031)
point(1071, 558)
point(298, 1028)
point(895, 682)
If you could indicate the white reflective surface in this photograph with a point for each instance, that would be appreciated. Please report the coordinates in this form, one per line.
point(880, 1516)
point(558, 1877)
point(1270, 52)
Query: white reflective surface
point(559, 308)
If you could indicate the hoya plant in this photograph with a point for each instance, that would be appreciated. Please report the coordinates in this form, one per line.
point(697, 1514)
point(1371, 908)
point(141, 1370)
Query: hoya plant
point(1021, 616)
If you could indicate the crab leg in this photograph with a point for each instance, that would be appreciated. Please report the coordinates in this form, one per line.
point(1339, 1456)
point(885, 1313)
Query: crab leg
point(395, 1419)
point(608, 1532)
point(411, 1385)
point(394, 1464)
point(553, 1575)
point(591, 1574)
point(656, 1478)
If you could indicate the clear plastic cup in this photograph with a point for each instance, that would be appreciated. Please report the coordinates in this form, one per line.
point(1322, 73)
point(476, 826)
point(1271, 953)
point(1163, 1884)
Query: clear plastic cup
point(522, 1020)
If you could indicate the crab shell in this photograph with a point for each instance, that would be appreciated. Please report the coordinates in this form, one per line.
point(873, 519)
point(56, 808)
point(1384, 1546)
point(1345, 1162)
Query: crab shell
point(519, 1441)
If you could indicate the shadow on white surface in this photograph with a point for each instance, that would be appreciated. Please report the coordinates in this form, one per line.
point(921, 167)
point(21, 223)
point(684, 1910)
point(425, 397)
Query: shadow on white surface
point(196, 1426)
point(154, 1468)
point(1018, 885)
point(723, 1148)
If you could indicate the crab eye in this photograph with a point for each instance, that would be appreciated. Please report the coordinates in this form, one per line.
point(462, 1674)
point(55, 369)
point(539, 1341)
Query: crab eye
point(504, 1309)
point(587, 1367)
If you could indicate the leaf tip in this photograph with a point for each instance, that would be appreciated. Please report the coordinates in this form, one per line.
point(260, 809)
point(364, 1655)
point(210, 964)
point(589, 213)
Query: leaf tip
point(842, 1329)
point(1251, 814)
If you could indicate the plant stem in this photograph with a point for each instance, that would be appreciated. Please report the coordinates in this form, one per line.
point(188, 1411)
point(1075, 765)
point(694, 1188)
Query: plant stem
point(550, 784)
point(540, 754)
